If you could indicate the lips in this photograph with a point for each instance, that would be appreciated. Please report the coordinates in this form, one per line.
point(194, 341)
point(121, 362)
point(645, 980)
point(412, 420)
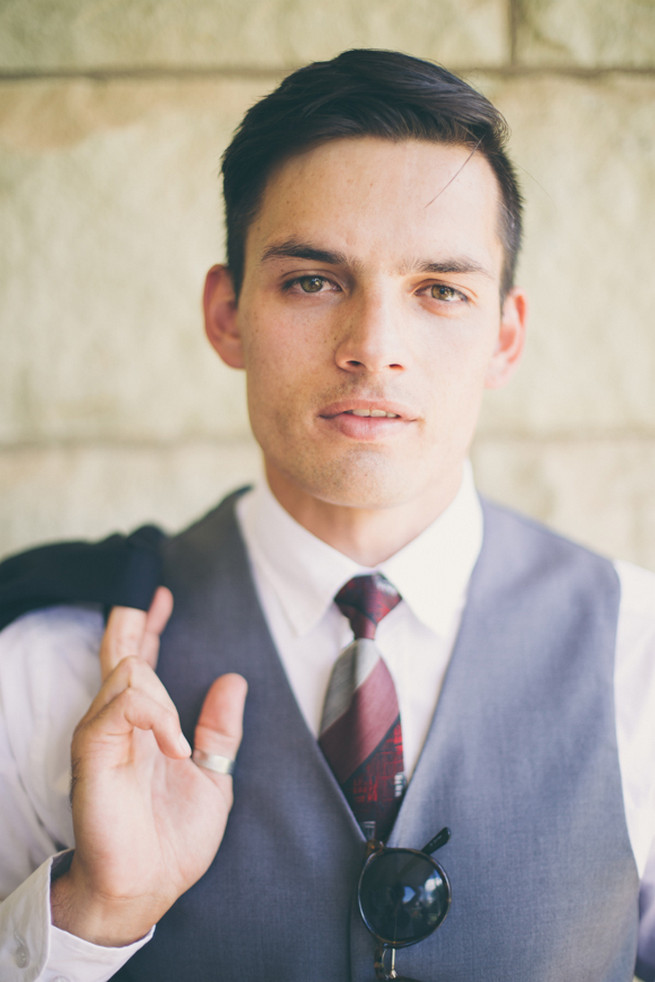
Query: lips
point(366, 420)
point(368, 413)
point(368, 409)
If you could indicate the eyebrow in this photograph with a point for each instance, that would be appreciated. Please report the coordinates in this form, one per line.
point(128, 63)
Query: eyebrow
point(461, 265)
point(295, 249)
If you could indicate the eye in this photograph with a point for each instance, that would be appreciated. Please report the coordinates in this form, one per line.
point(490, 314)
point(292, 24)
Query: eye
point(448, 294)
point(309, 284)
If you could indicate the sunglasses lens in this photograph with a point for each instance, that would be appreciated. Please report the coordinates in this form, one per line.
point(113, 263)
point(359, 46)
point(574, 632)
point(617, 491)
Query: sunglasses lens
point(403, 896)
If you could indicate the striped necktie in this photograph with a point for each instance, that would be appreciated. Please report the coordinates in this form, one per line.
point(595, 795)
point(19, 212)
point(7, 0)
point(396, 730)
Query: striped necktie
point(360, 729)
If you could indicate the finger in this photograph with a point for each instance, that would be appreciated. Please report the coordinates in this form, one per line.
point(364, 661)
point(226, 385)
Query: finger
point(135, 633)
point(159, 614)
point(131, 673)
point(132, 709)
point(220, 725)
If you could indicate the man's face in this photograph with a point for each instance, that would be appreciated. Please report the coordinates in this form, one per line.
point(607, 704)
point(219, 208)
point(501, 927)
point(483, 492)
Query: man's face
point(369, 322)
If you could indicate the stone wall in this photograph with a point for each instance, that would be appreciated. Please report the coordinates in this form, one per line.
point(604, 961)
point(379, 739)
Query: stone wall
point(113, 116)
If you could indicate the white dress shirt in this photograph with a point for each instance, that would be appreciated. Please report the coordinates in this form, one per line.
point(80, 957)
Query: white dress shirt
point(49, 674)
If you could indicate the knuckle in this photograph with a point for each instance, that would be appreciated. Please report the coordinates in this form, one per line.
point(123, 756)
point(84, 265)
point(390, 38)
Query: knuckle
point(129, 697)
point(130, 670)
point(126, 644)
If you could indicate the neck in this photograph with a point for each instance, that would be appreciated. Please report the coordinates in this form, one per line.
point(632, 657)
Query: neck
point(369, 536)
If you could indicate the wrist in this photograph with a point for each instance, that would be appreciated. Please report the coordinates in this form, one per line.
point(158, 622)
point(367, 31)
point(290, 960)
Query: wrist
point(109, 922)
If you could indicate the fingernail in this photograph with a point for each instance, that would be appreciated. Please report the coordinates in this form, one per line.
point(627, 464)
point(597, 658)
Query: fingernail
point(184, 745)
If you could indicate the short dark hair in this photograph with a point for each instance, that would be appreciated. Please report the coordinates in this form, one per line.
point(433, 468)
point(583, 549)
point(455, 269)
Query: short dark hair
point(364, 92)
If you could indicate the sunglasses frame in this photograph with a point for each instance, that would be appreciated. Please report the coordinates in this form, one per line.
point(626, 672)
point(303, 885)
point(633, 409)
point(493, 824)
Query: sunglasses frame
point(375, 851)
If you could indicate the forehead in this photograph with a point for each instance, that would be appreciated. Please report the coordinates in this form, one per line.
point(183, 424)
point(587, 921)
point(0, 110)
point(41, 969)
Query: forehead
point(372, 196)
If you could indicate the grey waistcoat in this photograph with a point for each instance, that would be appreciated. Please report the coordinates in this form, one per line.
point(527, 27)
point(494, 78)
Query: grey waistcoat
point(521, 762)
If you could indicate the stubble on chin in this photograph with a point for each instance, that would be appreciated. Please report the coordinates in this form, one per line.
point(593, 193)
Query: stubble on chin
point(363, 478)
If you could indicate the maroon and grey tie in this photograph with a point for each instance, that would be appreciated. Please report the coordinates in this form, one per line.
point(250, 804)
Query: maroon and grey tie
point(360, 729)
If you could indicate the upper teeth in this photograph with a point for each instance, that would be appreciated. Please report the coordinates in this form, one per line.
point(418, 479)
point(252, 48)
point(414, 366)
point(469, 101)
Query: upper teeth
point(372, 412)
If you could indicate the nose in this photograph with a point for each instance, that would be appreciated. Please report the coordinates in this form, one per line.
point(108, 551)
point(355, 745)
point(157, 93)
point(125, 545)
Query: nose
point(371, 337)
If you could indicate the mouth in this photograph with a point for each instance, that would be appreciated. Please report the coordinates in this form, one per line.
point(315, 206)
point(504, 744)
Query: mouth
point(367, 409)
point(366, 420)
point(371, 414)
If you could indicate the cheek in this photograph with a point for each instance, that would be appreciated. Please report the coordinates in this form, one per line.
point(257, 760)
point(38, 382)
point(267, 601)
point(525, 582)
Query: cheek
point(283, 356)
point(457, 383)
point(276, 382)
point(460, 356)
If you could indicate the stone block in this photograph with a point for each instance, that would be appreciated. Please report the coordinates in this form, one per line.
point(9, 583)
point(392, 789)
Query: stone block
point(111, 214)
point(589, 33)
point(585, 153)
point(201, 34)
point(89, 492)
point(597, 492)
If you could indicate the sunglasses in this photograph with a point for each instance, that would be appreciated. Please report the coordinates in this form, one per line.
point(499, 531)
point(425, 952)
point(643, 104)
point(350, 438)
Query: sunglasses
point(403, 896)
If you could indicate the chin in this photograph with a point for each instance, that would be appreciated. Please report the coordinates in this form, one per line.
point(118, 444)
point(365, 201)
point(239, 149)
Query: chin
point(371, 488)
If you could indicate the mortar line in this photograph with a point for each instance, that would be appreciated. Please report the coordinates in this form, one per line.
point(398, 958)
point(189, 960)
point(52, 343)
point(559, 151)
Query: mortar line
point(217, 441)
point(188, 74)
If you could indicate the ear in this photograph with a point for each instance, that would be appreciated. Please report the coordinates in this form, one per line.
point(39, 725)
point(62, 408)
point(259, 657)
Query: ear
point(511, 339)
point(221, 321)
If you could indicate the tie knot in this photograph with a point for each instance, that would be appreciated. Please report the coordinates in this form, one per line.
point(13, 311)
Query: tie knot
point(365, 600)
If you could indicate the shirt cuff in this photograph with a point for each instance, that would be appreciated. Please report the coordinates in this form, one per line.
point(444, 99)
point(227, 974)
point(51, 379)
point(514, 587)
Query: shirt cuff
point(33, 950)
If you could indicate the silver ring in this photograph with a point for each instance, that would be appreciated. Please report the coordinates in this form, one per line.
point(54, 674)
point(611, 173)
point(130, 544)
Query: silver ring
point(213, 762)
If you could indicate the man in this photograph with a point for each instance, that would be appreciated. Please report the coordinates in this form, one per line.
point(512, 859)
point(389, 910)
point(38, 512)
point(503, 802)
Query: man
point(373, 226)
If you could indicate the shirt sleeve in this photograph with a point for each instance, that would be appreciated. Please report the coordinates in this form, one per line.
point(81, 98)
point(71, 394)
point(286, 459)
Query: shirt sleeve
point(32, 950)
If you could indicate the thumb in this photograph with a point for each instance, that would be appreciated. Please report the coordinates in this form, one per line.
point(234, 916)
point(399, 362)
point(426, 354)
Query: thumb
point(220, 726)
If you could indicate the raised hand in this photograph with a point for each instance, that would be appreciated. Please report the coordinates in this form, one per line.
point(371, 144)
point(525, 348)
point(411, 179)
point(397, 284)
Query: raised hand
point(148, 821)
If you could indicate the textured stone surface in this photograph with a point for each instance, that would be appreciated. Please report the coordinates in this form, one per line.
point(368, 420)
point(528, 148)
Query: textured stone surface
point(586, 32)
point(598, 492)
point(110, 210)
point(585, 152)
point(74, 34)
point(73, 492)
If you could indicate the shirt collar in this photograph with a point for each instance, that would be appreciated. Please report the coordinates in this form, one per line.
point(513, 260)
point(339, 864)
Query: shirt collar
point(431, 573)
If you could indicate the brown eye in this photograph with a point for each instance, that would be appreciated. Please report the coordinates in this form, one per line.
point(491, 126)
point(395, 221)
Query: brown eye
point(311, 284)
point(447, 293)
